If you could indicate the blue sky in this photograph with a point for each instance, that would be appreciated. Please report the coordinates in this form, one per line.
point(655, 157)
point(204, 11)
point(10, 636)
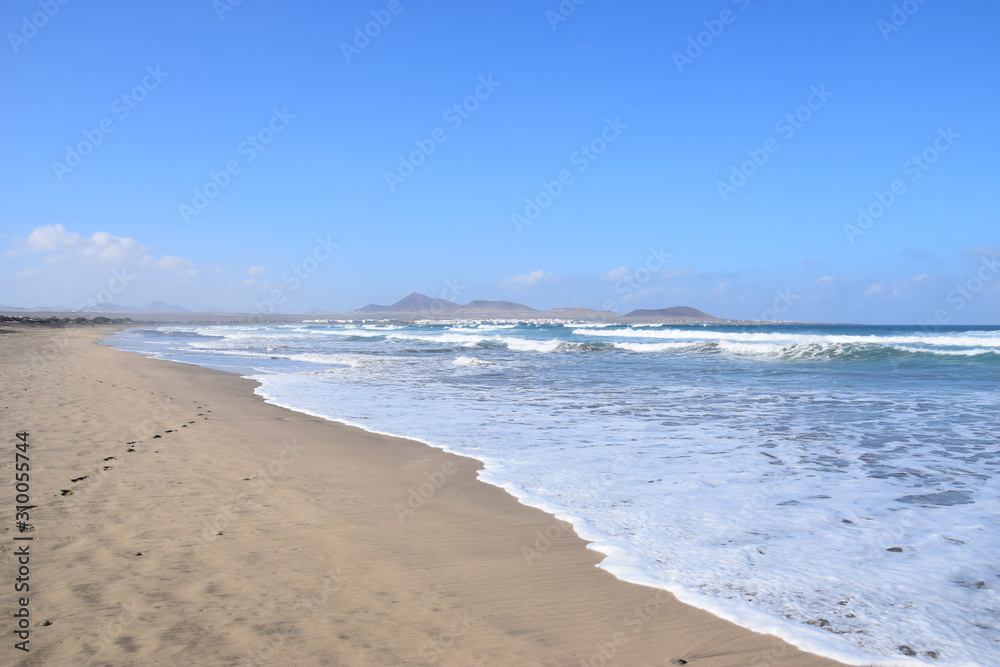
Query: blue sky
point(626, 155)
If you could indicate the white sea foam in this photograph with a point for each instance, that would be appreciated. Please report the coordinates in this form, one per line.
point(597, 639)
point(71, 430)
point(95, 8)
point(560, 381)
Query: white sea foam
point(796, 338)
point(655, 347)
point(334, 359)
point(441, 339)
point(469, 361)
point(529, 345)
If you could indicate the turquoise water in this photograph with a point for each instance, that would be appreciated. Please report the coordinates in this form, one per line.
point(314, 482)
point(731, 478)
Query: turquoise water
point(838, 486)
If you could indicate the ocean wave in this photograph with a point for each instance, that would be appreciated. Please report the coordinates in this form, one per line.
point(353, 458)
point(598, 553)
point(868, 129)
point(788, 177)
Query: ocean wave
point(528, 345)
point(965, 340)
point(320, 358)
point(659, 347)
point(456, 339)
point(469, 361)
point(353, 332)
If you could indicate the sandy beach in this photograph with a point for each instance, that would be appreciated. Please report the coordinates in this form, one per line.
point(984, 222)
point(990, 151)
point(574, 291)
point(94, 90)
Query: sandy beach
point(179, 519)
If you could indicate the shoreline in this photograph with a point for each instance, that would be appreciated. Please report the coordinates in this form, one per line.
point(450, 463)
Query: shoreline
point(267, 535)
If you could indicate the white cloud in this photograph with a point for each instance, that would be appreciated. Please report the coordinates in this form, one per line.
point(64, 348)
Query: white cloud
point(875, 289)
point(50, 238)
point(684, 272)
point(532, 279)
point(102, 247)
point(614, 275)
point(102, 250)
point(643, 293)
point(106, 247)
point(643, 274)
point(171, 263)
point(825, 281)
point(256, 271)
point(900, 288)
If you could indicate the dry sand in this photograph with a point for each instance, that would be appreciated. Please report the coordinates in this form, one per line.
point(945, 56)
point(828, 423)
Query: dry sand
point(238, 532)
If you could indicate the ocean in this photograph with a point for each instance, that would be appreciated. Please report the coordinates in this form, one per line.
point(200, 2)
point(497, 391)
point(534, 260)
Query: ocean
point(838, 486)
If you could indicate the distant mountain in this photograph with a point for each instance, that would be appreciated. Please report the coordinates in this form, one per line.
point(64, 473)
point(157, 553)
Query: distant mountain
point(151, 307)
point(582, 314)
point(107, 307)
point(418, 306)
point(495, 309)
point(413, 303)
point(161, 307)
point(674, 313)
